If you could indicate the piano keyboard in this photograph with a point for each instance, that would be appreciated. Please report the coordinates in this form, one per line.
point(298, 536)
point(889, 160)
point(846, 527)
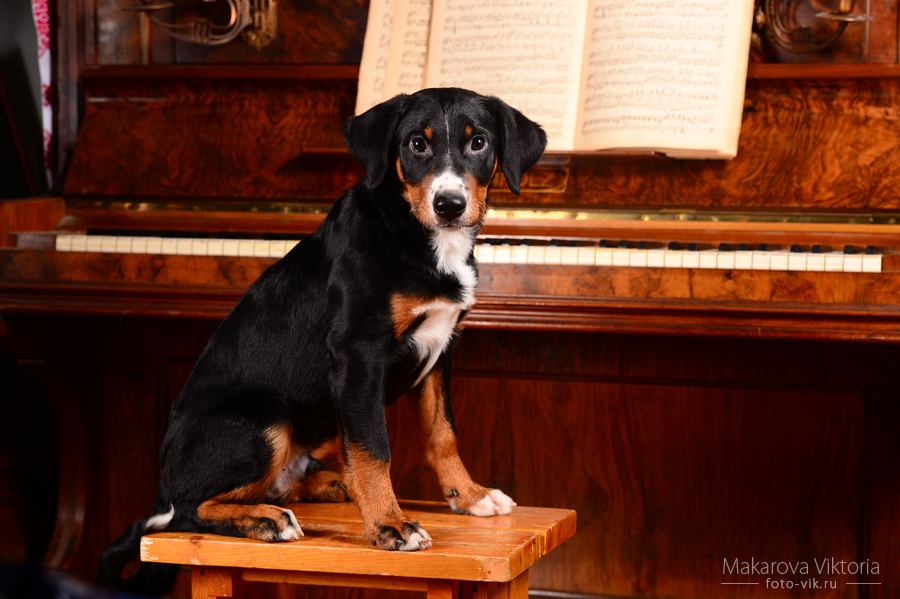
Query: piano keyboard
point(518, 251)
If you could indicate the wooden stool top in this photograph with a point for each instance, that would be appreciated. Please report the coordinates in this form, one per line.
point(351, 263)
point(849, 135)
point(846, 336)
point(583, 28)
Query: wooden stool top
point(464, 547)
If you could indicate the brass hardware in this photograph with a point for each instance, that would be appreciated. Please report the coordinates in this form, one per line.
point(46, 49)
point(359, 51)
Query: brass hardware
point(771, 21)
point(256, 21)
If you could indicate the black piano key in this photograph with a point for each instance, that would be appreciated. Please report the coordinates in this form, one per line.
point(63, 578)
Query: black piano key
point(692, 247)
point(604, 243)
point(723, 247)
point(743, 247)
point(623, 244)
point(870, 249)
point(764, 247)
point(642, 245)
point(795, 249)
point(817, 249)
point(673, 245)
point(848, 249)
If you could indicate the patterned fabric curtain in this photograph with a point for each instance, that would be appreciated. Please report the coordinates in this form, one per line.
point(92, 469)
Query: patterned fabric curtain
point(40, 9)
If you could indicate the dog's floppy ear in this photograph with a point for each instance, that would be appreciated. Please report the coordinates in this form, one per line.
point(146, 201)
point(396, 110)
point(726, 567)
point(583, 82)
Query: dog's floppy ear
point(522, 141)
point(370, 137)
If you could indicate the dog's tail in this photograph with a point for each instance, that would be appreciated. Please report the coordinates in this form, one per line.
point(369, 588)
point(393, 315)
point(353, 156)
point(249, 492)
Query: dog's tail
point(151, 578)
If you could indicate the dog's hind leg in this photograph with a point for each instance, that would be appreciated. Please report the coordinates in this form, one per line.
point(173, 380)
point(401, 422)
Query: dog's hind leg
point(327, 483)
point(262, 521)
point(464, 495)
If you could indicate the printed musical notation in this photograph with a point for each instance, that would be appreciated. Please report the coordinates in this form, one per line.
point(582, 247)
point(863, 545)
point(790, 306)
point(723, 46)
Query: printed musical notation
point(520, 51)
point(596, 74)
point(654, 66)
point(376, 47)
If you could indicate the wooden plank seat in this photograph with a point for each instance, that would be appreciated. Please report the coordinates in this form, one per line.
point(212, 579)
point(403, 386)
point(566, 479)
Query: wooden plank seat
point(493, 553)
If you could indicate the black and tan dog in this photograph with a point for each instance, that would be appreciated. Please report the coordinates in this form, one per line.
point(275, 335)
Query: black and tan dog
point(288, 399)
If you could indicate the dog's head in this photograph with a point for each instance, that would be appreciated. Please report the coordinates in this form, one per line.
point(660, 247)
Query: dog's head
point(443, 147)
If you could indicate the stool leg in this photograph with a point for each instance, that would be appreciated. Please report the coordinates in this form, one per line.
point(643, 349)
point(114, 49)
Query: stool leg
point(516, 588)
point(208, 582)
point(443, 589)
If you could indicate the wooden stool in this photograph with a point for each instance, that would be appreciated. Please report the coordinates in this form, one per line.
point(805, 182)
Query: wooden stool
point(495, 553)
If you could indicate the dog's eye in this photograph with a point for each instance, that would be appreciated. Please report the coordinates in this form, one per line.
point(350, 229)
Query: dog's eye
point(418, 145)
point(478, 143)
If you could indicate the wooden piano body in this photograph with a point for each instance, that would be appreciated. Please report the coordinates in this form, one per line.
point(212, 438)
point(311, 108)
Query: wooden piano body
point(697, 418)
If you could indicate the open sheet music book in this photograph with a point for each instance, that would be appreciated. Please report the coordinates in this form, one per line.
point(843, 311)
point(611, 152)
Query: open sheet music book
point(664, 75)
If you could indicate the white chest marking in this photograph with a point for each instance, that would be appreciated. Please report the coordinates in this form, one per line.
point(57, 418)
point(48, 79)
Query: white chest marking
point(433, 335)
point(452, 248)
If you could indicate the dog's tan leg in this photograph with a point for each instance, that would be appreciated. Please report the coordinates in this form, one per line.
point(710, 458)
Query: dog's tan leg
point(369, 482)
point(262, 522)
point(464, 495)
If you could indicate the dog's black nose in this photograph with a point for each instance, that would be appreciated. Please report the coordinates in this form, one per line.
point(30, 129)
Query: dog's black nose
point(449, 207)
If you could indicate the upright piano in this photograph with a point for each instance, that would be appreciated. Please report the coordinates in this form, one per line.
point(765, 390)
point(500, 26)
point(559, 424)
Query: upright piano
point(698, 356)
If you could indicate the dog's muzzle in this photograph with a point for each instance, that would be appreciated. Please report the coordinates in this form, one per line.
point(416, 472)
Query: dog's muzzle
point(449, 208)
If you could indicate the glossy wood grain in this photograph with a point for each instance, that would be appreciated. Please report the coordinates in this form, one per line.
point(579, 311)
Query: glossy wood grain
point(677, 452)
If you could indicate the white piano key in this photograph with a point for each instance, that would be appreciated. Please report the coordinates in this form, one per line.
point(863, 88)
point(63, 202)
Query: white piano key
point(290, 244)
point(277, 249)
point(123, 245)
point(621, 257)
point(518, 254)
point(797, 261)
point(778, 260)
point(834, 262)
point(709, 259)
point(484, 253)
point(536, 254)
point(604, 257)
point(107, 244)
point(853, 263)
point(656, 258)
point(502, 254)
point(672, 259)
point(815, 262)
point(260, 248)
point(690, 259)
point(587, 256)
point(139, 245)
point(64, 242)
point(79, 243)
point(169, 246)
point(93, 243)
point(245, 247)
point(761, 260)
point(183, 246)
point(552, 255)
point(215, 247)
point(229, 247)
point(154, 245)
point(200, 247)
point(743, 260)
point(638, 258)
point(725, 260)
point(568, 255)
point(871, 263)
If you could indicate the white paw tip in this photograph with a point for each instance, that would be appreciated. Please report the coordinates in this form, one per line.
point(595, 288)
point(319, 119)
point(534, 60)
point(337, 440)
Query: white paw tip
point(294, 532)
point(416, 541)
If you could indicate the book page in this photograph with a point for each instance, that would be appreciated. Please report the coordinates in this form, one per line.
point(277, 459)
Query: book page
point(370, 87)
point(526, 52)
point(405, 71)
point(665, 74)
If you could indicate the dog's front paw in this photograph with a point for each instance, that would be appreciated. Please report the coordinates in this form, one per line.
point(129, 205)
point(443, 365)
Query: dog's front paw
point(273, 524)
point(399, 534)
point(493, 502)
